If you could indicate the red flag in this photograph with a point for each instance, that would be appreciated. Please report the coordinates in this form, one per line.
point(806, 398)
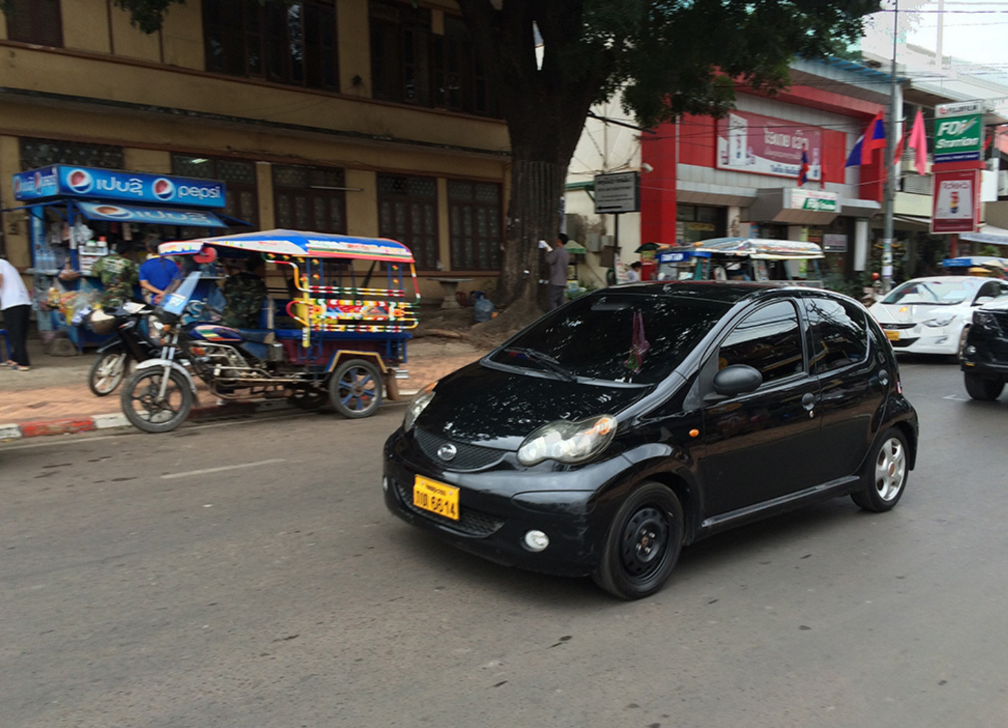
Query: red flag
point(804, 170)
point(990, 138)
point(898, 154)
point(918, 142)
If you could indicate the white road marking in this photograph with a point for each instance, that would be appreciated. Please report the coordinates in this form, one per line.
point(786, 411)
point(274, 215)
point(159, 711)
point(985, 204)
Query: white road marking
point(221, 469)
point(956, 398)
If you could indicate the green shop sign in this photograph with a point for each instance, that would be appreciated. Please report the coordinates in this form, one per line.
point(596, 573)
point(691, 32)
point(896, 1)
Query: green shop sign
point(958, 132)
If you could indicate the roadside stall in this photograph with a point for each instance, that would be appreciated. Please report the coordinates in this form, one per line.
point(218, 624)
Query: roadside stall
point(78, 215)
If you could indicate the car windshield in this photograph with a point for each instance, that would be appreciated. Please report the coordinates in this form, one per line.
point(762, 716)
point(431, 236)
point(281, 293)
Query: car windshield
point(931, 291)
point(636, 338)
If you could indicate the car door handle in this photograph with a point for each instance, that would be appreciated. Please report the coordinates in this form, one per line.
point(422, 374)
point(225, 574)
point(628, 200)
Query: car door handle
point(808, 400)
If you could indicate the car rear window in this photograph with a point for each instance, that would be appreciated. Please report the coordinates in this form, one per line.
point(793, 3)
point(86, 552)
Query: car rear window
point(839, 333)
point(627, 337)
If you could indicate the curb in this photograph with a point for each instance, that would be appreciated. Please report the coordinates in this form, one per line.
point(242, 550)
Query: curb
point(70, 426)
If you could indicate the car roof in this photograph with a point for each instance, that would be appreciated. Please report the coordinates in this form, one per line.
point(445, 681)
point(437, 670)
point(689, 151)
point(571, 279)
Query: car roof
point(721, 291)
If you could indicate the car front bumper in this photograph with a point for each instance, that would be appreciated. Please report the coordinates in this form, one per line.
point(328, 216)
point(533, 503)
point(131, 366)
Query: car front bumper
point(497, 507)
point(925, 339)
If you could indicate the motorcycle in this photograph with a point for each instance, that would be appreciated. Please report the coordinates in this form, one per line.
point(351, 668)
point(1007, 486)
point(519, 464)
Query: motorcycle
point(131, 344)
point(341, 340)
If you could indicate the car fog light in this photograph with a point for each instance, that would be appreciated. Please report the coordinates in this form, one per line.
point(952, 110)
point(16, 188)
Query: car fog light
point(971, 349)
point(536, 540)
point(384, 484)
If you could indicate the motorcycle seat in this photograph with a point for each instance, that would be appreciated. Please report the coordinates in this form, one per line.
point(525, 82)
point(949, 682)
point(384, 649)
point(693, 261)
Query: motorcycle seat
point(257, 336)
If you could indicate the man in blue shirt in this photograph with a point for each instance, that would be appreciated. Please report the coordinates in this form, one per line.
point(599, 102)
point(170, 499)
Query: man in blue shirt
point(156, 274)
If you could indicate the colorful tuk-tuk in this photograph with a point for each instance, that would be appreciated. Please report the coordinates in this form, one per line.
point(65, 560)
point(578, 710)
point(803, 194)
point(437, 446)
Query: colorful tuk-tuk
point(760, 259)
point(678, 263)
point(337, 333)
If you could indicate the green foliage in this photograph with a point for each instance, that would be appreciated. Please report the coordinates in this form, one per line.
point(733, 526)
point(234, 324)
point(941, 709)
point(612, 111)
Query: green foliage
point(837, 282)
point(147, 15)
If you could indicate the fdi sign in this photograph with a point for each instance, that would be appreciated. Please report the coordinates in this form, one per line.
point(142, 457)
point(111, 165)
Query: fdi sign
point(813, 200)
point(958, 132)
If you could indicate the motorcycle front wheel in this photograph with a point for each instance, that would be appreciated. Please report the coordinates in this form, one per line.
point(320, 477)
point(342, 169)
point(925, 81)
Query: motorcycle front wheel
point(147, 410)
point(107, 372)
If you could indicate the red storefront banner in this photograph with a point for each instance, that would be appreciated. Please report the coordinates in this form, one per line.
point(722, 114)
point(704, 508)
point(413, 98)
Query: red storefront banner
point(763, 145)
point(956, 201)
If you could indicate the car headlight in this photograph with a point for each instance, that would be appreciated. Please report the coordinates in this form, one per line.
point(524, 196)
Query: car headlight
point(984, 321)
point(419, 403)
point(939, 321)
point(568, 442)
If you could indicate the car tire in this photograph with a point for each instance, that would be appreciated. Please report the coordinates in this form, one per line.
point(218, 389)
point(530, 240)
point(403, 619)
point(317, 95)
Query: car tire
point(982, 388)
point(643, 543)
point(885, 474)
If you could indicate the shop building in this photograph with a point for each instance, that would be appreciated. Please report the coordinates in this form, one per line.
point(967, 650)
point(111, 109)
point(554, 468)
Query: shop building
point(363, 117)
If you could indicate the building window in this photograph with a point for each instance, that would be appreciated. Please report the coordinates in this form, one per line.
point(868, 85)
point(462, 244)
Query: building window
point(35, 21)
point(241, 194)
point(37, 153)
point(407, 212)
point(310, 198)
point(474, 212)
point(412, 65)
point(295, 44)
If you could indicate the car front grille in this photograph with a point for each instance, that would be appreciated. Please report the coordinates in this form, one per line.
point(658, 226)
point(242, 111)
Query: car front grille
point(467, 457)
point(1000, 320)
point(470, 522)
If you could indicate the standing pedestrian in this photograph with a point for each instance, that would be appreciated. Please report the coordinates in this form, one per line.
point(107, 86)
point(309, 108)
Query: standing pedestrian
point(633, 273)
point(15, 302)
point(557, 258)
point(156, 273)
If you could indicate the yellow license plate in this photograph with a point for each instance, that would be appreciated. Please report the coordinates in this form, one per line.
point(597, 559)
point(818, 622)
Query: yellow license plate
point(436, 497)
point(892, 335)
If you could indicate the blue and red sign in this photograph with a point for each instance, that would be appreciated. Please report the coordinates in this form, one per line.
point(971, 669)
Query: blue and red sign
point(108, 184)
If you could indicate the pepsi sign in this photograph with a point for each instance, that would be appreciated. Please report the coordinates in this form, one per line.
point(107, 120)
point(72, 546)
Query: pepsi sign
point(108, 184)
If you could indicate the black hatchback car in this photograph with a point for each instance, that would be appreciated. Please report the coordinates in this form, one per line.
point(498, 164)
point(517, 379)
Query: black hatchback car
point(639, 418)
point(984, 359)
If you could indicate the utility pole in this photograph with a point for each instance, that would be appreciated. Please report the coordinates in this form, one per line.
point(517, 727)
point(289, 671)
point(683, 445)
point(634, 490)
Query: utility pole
point(889, 165)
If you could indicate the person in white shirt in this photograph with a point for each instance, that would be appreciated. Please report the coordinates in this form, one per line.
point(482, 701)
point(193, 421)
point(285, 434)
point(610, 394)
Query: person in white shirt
point(633, 272)
point(16, 305)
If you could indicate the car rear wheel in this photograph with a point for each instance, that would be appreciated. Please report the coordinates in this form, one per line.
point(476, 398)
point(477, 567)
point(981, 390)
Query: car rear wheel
point(885, 473)
point(983, 388)
point(643, 543)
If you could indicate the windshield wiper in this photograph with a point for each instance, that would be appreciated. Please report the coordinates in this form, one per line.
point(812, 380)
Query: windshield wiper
point(544, 359)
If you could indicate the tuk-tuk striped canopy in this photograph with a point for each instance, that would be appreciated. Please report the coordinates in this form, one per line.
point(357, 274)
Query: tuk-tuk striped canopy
point(296, 243)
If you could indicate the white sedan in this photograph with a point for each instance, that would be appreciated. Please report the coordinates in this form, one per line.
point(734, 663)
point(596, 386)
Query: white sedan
point(931, 315)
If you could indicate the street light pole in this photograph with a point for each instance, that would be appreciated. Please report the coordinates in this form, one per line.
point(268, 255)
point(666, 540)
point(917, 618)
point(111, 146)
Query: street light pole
point(889, 164)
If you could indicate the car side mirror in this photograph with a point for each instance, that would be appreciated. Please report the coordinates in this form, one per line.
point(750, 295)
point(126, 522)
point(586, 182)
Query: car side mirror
point(737, 379)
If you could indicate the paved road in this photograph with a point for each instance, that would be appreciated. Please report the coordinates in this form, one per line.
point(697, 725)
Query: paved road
point(247, 574)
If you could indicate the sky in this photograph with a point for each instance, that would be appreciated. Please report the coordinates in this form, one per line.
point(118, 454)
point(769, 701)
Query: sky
point(973, 31)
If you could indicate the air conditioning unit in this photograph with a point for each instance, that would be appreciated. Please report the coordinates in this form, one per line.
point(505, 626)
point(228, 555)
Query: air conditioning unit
point(608, 241)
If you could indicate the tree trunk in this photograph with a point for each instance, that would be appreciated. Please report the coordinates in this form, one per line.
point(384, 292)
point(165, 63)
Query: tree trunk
point(533, 215)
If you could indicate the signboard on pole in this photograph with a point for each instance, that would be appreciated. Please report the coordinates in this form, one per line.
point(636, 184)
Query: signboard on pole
point(618, 192)
point(958, 132)
point(956, 201)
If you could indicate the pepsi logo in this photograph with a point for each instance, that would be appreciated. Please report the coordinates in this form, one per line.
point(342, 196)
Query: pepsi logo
point(163, 189)
point(79, 181)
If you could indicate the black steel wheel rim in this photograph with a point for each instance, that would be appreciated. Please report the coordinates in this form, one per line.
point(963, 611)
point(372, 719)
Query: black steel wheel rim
point(645, 542)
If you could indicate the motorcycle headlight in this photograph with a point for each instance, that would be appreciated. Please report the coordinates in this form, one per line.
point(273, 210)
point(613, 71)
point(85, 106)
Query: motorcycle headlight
point(939, 321)
point(568, 442)
point(419, 403)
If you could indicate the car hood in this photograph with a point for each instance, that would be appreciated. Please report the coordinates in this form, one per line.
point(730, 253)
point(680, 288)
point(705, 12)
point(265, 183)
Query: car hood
point(999, 304)
point(896, 313)
point(494, 408)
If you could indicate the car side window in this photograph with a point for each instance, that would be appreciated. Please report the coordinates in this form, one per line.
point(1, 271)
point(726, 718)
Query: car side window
point(769, 340)
point(839, 334)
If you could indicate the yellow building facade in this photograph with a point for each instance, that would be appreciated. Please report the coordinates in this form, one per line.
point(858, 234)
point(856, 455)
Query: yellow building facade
point(365, 117)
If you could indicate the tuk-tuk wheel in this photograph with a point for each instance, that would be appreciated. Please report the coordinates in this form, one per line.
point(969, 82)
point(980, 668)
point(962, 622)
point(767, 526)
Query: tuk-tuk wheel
point(355, 388)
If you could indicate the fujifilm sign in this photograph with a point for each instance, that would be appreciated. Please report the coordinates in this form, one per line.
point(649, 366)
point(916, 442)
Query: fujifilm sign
point(958, 132)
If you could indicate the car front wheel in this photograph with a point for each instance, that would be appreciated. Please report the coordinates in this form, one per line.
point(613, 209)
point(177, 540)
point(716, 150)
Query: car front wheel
point(885, 473)
point(643, 543)
point(983, 388)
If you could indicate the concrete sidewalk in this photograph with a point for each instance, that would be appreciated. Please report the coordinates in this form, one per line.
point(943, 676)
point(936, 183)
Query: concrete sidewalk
point(53, 396)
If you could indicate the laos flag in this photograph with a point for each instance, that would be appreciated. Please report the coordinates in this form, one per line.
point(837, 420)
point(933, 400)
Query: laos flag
point(873, 138)
point(803, 172)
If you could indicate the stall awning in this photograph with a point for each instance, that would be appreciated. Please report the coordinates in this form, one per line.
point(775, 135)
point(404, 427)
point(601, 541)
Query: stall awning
point(989, 234)
point(149, 215)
